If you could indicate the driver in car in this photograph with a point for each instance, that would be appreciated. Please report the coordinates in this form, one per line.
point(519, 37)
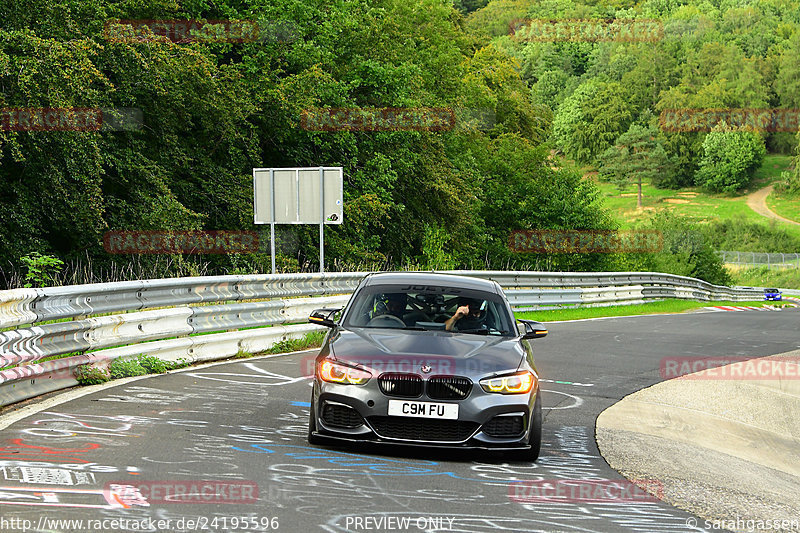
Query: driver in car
point(396, 304)
point(467, 316)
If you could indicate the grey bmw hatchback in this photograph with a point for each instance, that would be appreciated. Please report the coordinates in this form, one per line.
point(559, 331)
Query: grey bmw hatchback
point(427, 359)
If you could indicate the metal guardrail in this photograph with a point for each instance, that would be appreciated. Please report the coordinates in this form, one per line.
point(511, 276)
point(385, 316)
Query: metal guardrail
point(26, 306)
point(260, 300)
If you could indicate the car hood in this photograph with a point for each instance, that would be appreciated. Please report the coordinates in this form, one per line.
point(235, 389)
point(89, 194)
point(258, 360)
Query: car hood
point(386, 350)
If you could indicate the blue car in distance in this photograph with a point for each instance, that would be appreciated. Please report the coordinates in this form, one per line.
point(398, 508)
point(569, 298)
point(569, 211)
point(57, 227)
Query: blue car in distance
point(772, 295)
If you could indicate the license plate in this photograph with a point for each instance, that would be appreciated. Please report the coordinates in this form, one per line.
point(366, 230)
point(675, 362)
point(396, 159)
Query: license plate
point(446, 411)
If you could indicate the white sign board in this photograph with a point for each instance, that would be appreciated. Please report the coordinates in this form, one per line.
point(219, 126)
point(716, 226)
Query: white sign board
point(307, 195)
point(298, 195)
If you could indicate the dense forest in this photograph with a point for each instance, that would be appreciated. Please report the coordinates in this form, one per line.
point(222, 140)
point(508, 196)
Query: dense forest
point(211, 111)
point(707, 55)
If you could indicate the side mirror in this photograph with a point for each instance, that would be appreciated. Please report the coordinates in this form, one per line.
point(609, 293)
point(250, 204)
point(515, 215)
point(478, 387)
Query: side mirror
point(533, 329)
point(323, 316)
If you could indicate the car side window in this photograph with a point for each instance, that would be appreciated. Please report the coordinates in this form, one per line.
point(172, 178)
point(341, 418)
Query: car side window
point(363, 313)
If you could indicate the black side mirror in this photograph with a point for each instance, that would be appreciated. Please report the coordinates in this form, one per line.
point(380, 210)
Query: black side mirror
point(323, 316)
point(533, 329)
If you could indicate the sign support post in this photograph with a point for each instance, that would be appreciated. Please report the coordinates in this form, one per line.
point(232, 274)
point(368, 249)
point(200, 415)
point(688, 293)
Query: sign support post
point(272, 224)
point(321, 220)
point(298, 196)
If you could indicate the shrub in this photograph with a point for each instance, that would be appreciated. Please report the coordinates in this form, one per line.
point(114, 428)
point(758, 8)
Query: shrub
point(179, 363)
point(90, 375)
point(312, 339)
point(153, 365)
point(740, 234)
point(730, 158)
point(42, 269)
point(685, 252)
point(125, 368)
point(789, 184)
point(434, 246)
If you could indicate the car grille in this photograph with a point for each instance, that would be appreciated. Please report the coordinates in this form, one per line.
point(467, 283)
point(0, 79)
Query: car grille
point(401, 385)
point(397, 427)
point(341, 416)
point(505, 426)
point(449, 388)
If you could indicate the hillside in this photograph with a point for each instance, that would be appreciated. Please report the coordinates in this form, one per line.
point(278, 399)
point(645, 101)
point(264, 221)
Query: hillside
point(294, 83)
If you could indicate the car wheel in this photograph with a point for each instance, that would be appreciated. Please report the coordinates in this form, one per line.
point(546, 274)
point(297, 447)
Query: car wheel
point(535, 437)
point(312, 424)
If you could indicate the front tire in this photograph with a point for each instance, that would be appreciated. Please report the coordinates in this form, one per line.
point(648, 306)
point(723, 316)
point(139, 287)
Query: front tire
point(312, 424)
point(535, 437)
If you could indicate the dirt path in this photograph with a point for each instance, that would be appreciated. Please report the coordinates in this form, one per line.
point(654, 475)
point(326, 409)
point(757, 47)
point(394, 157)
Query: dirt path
point(757, 201)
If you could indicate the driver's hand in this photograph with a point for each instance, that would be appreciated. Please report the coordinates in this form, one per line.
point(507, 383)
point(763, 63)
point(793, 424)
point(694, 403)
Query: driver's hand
point(461, 311)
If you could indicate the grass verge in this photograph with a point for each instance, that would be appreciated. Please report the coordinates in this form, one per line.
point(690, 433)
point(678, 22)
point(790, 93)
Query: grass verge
point(785, 278)
point(148, 364)
point(785, 206)
point(310, 340)
point(699, 205)
point(650, 308)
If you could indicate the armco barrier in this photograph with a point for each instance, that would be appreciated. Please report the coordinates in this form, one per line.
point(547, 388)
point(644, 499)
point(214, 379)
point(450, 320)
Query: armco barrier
point(31, 380)
point(16, 307)
point(132, 325)
point(31, 344)
point(29, 306)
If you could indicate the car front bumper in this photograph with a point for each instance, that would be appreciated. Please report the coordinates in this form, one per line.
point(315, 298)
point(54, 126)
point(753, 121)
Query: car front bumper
point(371, 404)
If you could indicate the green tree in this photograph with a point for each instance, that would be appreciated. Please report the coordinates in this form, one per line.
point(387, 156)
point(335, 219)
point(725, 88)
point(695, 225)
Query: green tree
point(787, 80)
point(637, 155)
point(522, 192)
point(552, 88)
point(589, 120)
point(468, 6)
point(730, 158)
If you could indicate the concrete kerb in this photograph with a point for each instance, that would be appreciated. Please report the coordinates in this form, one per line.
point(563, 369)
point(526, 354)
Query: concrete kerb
point(724, 449)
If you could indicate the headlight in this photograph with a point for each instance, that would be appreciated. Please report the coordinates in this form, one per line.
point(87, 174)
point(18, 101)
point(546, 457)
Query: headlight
point(517, 383)
point(336, 373)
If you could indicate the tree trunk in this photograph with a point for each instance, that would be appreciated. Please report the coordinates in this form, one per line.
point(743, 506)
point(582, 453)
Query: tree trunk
point(639, 198)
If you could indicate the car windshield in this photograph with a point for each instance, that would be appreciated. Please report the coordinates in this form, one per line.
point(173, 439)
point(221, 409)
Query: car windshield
point(402, 307)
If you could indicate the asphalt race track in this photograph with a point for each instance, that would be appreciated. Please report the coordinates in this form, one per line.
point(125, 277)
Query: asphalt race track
point(243, 425)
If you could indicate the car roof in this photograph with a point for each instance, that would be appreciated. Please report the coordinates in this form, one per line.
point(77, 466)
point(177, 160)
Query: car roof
point(430, 278)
